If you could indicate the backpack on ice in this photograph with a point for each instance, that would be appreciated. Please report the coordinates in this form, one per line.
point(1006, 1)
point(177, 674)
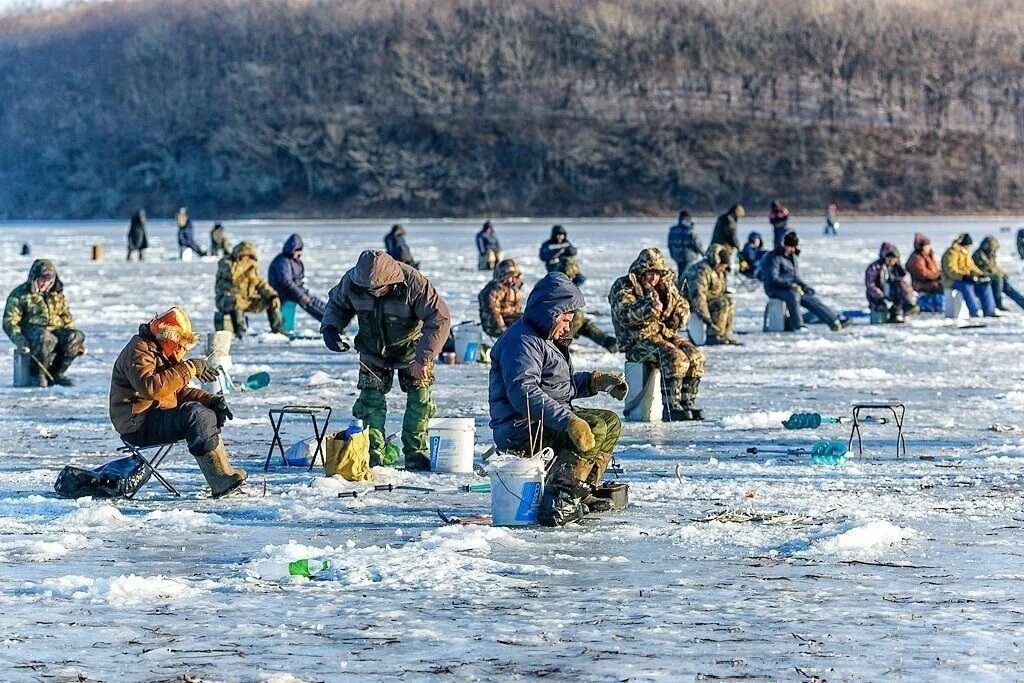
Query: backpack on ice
point(115, 479)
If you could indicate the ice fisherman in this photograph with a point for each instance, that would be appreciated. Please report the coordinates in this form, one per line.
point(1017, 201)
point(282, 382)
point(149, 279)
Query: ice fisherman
point(926, 275)
point(706, 287)
point(488, 247)
point(403, 325)
point(287, 275)
point(397, 248)
point(751, 255)
point(831, 224)
point(559, 256)
point(985, 257)
point(240, 289)
point(501, 299)
point(778, 217)
point(960, 272)
point(647, 311)
point(780, 274)
point(887, 286)
point(219, 244)
point(138, 241)
point(684, 245)
point(151, 402)
point(532, 384)
point(726, 230)
point(186, 234)
point(38, 321)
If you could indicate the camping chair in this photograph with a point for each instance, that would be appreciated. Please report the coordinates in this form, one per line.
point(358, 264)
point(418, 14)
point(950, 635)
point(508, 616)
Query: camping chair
point(152, 464)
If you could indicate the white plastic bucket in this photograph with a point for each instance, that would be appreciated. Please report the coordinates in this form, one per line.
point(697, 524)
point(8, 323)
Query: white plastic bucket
point(468, 337)
point(451, 444)
point(516, 489)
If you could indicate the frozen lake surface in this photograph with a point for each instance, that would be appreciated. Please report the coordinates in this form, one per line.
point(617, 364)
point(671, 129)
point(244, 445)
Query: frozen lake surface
point(882, 568)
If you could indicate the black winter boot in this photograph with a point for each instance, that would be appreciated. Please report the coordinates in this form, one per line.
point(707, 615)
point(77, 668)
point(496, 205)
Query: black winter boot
point(565, 489)
point(673, 410)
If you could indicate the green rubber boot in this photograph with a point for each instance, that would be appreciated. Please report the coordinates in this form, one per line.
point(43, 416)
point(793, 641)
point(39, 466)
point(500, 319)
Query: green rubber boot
point(372, 408)
point(419, 408)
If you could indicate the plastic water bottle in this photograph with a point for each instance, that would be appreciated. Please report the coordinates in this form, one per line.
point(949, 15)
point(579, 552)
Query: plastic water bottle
point(307, 568)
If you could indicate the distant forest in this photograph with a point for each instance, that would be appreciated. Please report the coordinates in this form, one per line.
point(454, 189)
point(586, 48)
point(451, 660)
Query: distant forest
point(511, 107)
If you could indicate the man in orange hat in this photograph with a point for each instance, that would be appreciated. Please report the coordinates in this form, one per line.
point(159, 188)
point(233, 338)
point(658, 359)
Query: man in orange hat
point(152, 403)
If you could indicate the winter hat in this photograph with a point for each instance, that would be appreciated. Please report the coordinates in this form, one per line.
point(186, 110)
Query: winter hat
point(966, 240)
point(173, 331)
point(684, 217)
point(791, 239)
point(558, 230)
point(488, 224)
point(920, 240)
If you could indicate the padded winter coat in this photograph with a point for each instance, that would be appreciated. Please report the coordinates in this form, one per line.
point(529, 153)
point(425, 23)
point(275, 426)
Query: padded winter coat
point(884, 282)
point(396, 246)
point(239, 283)
point(409, 322)
point(287, 275)
point(751, 255)
point(500, 303)
point(27, 307)
point(530, 373)
point(985, 257)
point(641, 314)
point(137, 239)
point(726, 228)
point(684, 245)
point(705, 282)
point(144, 379)
point(780, 272)
point(925, 273)
point(958, 265)
point(487, 242)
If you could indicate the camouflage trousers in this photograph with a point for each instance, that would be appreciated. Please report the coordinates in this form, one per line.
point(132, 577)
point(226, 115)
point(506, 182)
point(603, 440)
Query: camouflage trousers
point(607, 428)
point(723, 309)
point(677, 357)
point(372, 408)
point(56, 349)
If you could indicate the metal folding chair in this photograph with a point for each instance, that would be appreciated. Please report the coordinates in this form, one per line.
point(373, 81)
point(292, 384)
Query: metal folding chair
point(319, 432)
point(152, 464)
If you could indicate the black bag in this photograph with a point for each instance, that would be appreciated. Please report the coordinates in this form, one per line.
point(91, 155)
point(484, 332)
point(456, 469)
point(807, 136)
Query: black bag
point(115, 479)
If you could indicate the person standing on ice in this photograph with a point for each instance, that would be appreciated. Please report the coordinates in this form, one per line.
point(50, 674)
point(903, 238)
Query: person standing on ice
point(926, 275)
point(287, 275)
point(186, 234)
point(780, 274)
point(886, 286)
point(219, 244)
point(501, 300)
point(778, 217)
point(38, 321)
point(985, 257)
point(531, 388)
point(559, 256)
point(726, 230)
point(488, 247)
point(647, 310)
point(397, 248)
point(240, 289)
point(960, 272)
point(831, 224)
point(151, 402)
point(708, 293)
point(137, 238)
point(684, 245)
point(403, 325)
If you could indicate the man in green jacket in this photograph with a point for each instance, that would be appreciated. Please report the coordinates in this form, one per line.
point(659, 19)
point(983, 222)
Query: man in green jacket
point(403, 324)
point(39, 322)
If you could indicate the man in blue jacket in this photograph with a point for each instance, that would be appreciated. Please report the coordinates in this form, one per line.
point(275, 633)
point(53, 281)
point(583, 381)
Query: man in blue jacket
point(488, 247)
point(532, 383)
point(287, 275)
point(780, 274)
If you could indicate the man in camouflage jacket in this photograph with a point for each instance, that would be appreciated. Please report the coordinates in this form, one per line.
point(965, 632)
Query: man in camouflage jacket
point(501, 300)
point(240, 289)
point(705, 285)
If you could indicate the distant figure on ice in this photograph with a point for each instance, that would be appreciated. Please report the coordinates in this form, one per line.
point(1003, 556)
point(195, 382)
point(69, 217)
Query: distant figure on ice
point(647, 310)
point(137, 238)
point(780, 273)
point(487, 247)
point(559, 256)
point(151, 402)
point(831, 224)
point(501, 299)
point(219, 244)
point(726, 230)
point(397, 248)
point(240, 289)
point(778, 216)
point(532, 384)
point(986, 260)
point(751, 255)
point(403, 324)
point(707, 290)
point(1020, 242)
point(959, 272)
point(287, 275)
point(887, 287)
point(186, 234)
point(684, 245)
point(39, 323)
point(926, 275)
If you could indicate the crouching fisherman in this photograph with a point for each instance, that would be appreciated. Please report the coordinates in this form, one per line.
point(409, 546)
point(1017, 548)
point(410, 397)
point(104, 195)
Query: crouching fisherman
point(151, 402)
point(532, 379)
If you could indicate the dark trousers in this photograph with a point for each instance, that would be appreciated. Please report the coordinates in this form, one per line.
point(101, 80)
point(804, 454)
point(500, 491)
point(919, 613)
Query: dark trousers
point(794, 300)
point(191, 421)
point(56, 349)
point(1000, 286)
point(315, 307)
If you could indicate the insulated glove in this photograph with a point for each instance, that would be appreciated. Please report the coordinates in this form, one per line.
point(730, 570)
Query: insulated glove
point(204, 371)
point(332, 339)
point(219, 405)
point(613, 385)
point(580, 434)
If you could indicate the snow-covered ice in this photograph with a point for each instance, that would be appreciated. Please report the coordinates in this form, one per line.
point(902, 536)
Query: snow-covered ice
point(881, 568)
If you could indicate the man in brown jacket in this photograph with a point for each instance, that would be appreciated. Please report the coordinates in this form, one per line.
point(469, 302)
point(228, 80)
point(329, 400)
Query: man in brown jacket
point(152, 403)
point(501, 300)
point(403, 324)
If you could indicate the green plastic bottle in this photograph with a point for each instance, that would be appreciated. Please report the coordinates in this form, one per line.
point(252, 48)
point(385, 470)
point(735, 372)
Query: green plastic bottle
point(307, 568)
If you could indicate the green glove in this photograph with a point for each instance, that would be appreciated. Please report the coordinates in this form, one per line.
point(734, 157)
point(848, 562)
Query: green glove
point(613, 385)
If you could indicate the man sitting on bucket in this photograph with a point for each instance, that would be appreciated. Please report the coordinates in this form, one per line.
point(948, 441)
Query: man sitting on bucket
point(532, 383)
point(151, 402)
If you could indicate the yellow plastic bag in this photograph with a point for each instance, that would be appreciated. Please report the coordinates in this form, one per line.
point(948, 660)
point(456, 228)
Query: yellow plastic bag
point(350, 459)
